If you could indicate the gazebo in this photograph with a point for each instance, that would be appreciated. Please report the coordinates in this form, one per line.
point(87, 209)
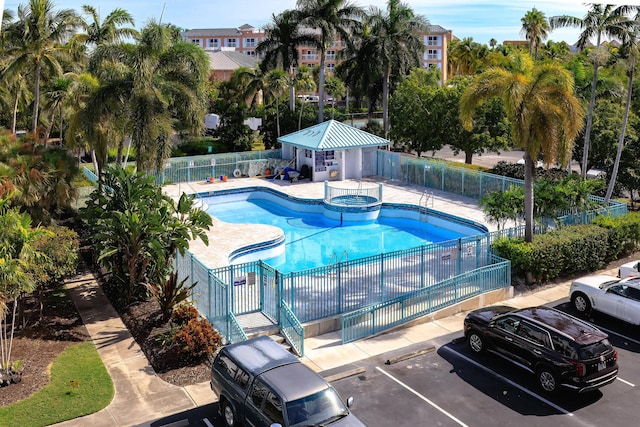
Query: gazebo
point(333, 151)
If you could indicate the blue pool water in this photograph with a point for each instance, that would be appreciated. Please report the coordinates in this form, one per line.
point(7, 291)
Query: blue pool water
point(313, 240)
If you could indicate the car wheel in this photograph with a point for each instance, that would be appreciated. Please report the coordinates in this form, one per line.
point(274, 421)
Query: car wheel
point(581, 303)
point(228, 415)
point(476, 342)
point(547, 380)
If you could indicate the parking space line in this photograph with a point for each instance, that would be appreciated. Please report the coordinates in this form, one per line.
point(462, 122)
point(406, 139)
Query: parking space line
point(626, 382)
point(421, 397)
point(508, 381)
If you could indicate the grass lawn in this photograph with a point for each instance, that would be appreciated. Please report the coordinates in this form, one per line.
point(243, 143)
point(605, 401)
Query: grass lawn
point(80, 385)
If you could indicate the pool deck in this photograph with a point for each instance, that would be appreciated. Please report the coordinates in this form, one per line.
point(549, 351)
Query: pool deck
point(224, 238)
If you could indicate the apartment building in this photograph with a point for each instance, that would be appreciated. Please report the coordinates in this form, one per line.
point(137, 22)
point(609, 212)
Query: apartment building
point(245, 38)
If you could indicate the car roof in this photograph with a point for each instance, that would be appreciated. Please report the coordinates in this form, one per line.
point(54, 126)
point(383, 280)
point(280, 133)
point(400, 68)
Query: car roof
point(260, 354)
point(294, 381)
point(581, 332)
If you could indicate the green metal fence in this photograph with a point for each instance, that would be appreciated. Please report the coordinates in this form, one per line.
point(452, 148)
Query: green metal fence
point(378, 317)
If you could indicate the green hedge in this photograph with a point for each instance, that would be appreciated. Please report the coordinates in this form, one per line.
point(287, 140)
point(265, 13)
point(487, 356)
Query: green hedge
point(574, 249)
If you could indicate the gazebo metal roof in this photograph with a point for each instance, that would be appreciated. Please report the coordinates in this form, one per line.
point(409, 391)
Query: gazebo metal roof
point(332, 135)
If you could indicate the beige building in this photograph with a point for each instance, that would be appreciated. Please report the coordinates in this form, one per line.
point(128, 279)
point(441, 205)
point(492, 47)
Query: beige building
point(245, 38)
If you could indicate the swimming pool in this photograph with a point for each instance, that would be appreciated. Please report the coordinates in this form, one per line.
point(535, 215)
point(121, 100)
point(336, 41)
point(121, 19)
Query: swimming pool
point(313, 240)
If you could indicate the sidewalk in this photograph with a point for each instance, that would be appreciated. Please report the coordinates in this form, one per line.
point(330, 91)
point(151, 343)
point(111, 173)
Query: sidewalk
point(141, 397)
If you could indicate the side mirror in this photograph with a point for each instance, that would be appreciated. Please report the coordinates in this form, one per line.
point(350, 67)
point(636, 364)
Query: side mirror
point(349, 401)
point(492, 324)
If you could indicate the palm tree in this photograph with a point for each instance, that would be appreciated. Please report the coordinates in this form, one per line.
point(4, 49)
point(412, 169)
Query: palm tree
point(280, 46)
point(277, 82)
point(109, 30)
point(630, 50)
point(331, 18)
point(304, 83)
point(335, 87)
point(42, 34)
point(545, 114)
point(535, 28)
point(601, 20)
point(464, 56)
point(163, 84)
point(398, 45)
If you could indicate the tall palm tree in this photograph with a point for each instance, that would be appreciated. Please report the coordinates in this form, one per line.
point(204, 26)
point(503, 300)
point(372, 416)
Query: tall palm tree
point(305, 84)
point(43, 32)
point(630, 50)
point(535, 28)
point(277, 82)
point(331, 18)
point(464, 56)
point(601, 20)
point(279, 48)
point(109, 30)
point(163, 85)
point(398, 45)
point(545, 114)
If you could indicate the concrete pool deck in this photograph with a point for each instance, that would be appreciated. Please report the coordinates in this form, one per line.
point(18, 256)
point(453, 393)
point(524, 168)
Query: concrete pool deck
point(224, 238)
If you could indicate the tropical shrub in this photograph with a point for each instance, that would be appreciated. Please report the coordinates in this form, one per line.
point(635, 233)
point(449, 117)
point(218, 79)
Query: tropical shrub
point(197, 339)
point(623, 234)
point(183, 313)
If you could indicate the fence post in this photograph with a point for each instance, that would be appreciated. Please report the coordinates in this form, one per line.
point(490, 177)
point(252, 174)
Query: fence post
point(339, 286)
point(442, 167)
point(383, 291)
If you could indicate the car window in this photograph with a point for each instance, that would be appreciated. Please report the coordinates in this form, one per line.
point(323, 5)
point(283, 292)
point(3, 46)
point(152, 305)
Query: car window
point(273, 409)
point(534, 333)
point(509, 324)
point(258, 393)
point(633, 293)
point(617, 290)
point(227, 366)
point(242, 378)
point(563, 347)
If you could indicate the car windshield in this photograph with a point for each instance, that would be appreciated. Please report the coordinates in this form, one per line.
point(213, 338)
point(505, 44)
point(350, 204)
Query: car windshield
point(608, 282)
point(316, 410)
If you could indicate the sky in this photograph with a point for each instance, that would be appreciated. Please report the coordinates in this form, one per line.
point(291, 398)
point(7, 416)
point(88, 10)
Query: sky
point(482, 20)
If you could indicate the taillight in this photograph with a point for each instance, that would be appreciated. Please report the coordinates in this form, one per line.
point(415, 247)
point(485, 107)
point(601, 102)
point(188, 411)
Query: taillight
point(580, 368)
point(615, 355)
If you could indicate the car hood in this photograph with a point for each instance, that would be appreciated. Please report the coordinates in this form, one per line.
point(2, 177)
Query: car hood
point(487, 313)
point(596, 280)
point(348, 421)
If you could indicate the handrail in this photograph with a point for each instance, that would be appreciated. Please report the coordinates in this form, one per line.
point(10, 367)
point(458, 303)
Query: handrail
point(292, 329)
point(202, 204)
point(236, 333)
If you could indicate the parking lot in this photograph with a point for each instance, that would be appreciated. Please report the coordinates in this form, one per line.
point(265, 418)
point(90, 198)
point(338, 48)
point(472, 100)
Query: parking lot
point(450, 386)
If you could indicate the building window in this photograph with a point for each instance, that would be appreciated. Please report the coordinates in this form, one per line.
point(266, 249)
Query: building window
point(331, 55)
point(232, 43)
point(250, 53)
point(309, 55)
point(433, 41)
point(214, 43)
point(251, 42)
point(432, 54)
point(331, 68)
point(196, 41)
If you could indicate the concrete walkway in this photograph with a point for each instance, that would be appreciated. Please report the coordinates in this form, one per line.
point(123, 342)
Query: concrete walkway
point(141, 397)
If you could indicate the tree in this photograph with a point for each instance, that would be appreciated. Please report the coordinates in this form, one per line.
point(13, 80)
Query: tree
point(42, 33)
point(107, 31)
point(283, 37)
point(164, 84)
point(601, 20)
point(630, 50)
point(544, 113)
point(465, 56)
point(137, 230)
point(398, 45)
point(335, 87)
point(331, 18)
point(535, 28)
point(304, 83)
point(276, 83)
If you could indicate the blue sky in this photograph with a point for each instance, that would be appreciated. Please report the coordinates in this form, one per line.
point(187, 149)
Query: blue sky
point(482, 20)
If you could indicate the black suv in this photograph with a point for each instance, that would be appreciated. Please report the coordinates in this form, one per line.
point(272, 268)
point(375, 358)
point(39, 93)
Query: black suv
point(559, 348)
point(261, 384)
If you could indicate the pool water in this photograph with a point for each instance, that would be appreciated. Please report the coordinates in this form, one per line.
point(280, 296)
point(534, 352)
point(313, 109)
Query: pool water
point(313, 240)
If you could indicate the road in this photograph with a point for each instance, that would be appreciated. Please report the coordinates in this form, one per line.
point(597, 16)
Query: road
point(450, 386)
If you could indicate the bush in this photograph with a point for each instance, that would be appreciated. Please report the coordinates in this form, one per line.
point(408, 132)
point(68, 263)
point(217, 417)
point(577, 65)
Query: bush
point(623, 234)
point(199, 147)
point(197, 339)
point(565, 251)
point(183, 313)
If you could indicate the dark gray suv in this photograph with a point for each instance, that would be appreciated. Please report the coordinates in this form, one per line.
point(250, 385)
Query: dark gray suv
point(259, 383)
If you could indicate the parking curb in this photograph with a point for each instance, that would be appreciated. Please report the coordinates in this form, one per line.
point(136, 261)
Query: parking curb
point(410, 355)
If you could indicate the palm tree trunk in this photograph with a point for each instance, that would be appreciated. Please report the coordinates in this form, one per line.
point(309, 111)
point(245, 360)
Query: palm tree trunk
point(385, 101)
point(300, 115)
point(277, 117)
point(321, 87)
point(616, 164)
point(15, 113)
point(592, 102)
point(292, 91)
point(36, 99)
point(529, 173)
